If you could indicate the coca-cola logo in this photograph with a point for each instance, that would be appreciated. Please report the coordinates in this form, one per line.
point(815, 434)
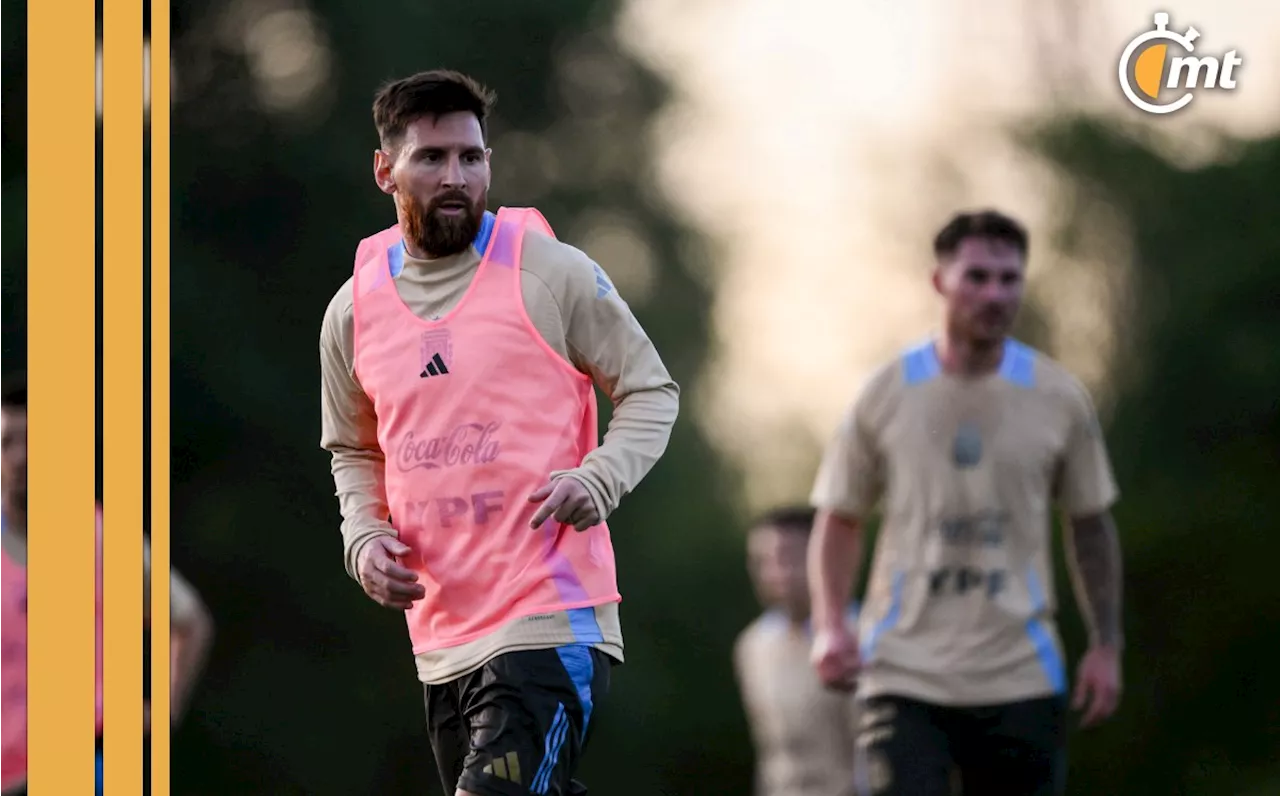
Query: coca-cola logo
point(468, 443)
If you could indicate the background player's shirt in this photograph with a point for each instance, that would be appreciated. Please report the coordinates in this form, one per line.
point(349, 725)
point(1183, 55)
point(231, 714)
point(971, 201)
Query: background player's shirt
point(804, 733)
point(959, 608)
point(580, 315)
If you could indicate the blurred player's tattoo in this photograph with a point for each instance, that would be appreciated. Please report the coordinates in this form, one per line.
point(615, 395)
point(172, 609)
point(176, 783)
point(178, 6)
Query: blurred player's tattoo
point(1096, 567)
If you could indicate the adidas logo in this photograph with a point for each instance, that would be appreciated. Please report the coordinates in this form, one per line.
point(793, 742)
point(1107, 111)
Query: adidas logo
point(507, 767)
point(435, 367)
point(603, 286)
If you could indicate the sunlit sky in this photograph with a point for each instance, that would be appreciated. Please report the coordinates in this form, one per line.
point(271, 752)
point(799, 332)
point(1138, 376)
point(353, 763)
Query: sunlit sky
point(819, 143)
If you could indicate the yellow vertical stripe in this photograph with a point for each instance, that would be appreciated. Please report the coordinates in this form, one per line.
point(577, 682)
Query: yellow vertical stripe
point(61, 133)
point(122, 380)
point(159, 360)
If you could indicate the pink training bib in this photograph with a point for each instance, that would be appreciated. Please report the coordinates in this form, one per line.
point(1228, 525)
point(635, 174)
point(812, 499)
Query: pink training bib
point(97, 630)
point(13, 751)
point(13, 668)
point(475, 411)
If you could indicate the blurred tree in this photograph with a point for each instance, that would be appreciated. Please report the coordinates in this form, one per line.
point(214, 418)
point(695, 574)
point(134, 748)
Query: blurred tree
point(1195, 436)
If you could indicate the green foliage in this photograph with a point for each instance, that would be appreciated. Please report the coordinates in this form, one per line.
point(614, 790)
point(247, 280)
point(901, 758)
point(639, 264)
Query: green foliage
point(13, 97)
point(1194, 437)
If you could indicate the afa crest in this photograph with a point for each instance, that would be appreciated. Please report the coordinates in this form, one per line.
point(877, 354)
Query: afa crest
point(966, 448)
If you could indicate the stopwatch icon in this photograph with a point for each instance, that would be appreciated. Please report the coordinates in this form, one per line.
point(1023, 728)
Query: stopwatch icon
point(1160, 32)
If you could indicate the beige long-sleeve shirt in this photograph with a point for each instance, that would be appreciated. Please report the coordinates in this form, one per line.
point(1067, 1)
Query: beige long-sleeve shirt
point(576, 309)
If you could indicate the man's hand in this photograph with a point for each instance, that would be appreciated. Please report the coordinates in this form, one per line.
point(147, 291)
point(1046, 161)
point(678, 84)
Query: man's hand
point(569, 500)
point(1097, 685)
point(835, 657)
point(386, 581)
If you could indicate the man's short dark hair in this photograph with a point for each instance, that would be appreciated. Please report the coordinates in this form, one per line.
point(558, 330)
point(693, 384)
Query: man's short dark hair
point(980, 224)
point(433, 93)
point(787, 518)
point(14, 391)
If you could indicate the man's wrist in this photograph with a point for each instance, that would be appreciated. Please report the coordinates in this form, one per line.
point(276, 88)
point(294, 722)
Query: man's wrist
point(358, 548)
point(1112, 646)
point(830, 622)
point(597, 499)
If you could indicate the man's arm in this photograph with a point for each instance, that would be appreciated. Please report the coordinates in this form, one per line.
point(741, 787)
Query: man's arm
point(1096, 573)
point(191, 635)
point(742, 672)
point(1095, 568)
point(847, 485)
point(604, 340)
point(1086, 491)
point(834, 562)
point(349, 431)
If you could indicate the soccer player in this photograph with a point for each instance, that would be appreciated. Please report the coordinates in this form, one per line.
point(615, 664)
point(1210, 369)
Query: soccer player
point(803, 733)
point(457, 373)
point(968, 440)
point(13, 585)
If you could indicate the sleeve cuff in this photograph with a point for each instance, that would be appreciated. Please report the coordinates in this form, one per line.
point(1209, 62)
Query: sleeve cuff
point(593, 489)
point(356, 545)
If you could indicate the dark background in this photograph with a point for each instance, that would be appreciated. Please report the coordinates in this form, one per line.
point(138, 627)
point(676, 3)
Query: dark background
point(311, 690)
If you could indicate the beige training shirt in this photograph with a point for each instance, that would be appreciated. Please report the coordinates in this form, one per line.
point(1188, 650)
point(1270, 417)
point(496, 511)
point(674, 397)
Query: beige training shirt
point(959, 608)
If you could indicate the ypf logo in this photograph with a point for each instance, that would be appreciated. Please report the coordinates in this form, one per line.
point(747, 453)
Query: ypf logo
point(1147, 71)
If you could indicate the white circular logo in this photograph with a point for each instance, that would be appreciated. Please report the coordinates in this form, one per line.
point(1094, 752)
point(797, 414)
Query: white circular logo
point(1146, 68)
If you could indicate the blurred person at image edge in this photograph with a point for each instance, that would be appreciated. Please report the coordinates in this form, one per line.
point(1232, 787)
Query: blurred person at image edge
point(191, 628)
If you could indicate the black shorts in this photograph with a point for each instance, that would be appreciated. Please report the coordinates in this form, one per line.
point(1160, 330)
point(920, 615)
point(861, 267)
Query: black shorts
point(518, 725)
point(912, 748)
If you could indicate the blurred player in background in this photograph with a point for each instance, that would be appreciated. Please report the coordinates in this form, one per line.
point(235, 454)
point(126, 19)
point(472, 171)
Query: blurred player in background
point(968, 439)
point(804, 733)
point(457, 371)
point(191, 628)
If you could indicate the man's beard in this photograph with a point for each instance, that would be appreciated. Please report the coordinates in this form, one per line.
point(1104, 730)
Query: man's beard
point(436, 234)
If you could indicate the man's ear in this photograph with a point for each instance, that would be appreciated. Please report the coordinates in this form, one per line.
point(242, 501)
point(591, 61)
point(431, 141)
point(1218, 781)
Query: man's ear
point(382, 172)
point(937, 279)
